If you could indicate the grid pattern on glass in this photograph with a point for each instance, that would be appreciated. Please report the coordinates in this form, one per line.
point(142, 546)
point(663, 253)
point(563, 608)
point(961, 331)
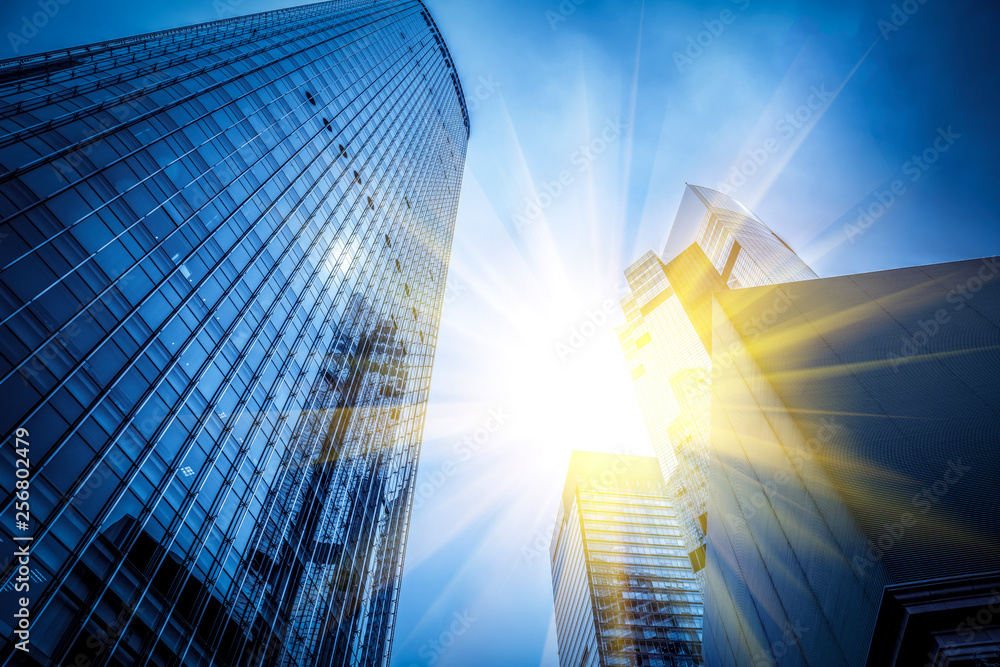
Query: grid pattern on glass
point(223, 266)
point(574, 613)
point(662, 342)
point(620, 569)
point(691, 434)
point(671, 370)
point(763, 258)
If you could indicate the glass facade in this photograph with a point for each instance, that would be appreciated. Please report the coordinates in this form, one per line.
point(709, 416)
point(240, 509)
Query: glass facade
point(715, 244)
point(740, 246)
point(666, 360)
point(224, 251)
point(624, 590)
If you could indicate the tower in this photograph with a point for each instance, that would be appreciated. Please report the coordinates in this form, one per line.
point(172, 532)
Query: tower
point(853, 518)
point(223, 258)
point(715, 244)
point(624, 592)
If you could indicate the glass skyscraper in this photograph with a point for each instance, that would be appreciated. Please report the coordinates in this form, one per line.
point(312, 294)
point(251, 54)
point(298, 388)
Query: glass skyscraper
point(624, 591)
point(715, 244)
point(223, 256)
point(854, 516)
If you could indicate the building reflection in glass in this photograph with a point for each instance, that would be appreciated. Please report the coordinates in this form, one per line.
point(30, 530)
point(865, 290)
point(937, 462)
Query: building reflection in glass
point(222, 267)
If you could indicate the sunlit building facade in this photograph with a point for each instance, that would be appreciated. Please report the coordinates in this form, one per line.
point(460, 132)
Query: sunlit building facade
point(223, 256)
point(663, 352)
point(715, 244)
point(741, 248)
point(854, 512)
point(624, 591)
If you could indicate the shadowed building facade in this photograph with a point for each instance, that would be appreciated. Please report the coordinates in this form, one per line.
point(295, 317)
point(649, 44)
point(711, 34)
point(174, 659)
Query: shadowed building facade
point(624, 591)
point(222, 263)
point(854, 517)
point(715, 244)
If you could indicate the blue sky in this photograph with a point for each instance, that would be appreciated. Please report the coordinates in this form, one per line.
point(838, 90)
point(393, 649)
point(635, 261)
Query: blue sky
point(587, 120)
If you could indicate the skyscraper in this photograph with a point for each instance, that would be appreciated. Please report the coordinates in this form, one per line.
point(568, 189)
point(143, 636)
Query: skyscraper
point(736, 241)
point(854, 518)
point(624, 592)
point(715, 244)
point(663, 352)
point(222, 262)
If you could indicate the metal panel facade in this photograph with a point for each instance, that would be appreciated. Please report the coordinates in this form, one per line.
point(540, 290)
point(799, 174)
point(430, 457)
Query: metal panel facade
point(224, 251)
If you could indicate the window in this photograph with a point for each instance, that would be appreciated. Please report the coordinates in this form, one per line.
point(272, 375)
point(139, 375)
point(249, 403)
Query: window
point(697, 558)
